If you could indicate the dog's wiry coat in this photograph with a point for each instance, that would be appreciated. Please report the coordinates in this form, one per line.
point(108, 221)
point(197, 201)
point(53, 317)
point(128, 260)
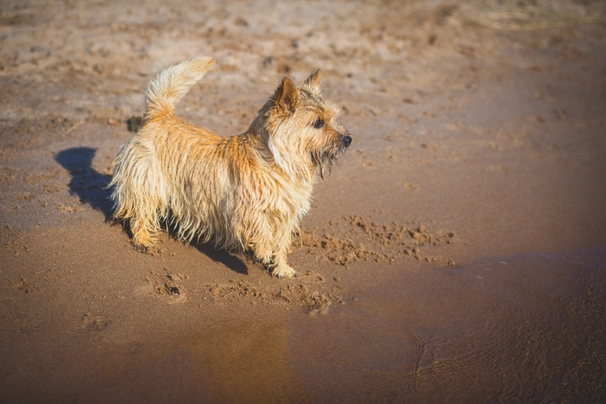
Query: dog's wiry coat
point(245, 192)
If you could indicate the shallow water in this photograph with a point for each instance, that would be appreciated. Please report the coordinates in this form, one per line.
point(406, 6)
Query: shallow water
point(527, 328)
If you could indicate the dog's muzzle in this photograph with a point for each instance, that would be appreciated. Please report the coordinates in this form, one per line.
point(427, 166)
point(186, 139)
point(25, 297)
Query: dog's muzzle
point(347, 140)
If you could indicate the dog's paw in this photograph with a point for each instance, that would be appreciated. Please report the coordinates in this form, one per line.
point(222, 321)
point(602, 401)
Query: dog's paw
point(140, 248)
point(143, 242)
point(283, 271)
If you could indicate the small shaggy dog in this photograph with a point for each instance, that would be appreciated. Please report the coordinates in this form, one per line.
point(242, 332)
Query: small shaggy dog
point(245, 192)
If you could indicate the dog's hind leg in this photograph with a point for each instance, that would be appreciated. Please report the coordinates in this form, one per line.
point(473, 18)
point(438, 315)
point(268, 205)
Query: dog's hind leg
point(144, 227)
point(147, 210)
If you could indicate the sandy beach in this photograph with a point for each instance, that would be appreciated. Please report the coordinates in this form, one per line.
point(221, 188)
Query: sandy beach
point(456, 254)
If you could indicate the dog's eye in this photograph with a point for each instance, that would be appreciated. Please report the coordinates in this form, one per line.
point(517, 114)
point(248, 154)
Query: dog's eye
point(318, 124)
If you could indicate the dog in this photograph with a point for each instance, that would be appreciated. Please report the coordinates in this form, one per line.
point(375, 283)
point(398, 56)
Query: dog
point(246, 192)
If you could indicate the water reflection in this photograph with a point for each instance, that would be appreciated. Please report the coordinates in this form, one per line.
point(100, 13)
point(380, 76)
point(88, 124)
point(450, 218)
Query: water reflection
point(246, 362)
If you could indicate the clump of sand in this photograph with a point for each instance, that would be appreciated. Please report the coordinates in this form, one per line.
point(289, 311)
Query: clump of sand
point(298, 294)
point(364, 240)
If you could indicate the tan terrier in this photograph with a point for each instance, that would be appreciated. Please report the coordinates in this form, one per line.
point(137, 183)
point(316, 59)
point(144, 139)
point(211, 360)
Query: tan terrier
point(245, 192)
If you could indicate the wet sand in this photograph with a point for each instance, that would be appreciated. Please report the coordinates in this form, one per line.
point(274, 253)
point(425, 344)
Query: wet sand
point(524, 328)
point(457, 254)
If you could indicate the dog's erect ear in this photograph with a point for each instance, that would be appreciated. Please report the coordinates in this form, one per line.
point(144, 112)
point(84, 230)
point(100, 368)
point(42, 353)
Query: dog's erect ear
point(286, 97)
point(313, 81)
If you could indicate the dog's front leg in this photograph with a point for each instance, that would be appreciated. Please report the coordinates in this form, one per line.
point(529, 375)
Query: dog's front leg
point(281, 268)
point(269, 237)
point(283, 240)
point(275, 259)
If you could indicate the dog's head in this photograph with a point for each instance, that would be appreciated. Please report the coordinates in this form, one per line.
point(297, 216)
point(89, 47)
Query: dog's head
point(301, 130)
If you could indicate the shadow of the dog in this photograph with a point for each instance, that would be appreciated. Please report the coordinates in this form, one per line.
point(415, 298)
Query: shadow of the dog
point(88, 184)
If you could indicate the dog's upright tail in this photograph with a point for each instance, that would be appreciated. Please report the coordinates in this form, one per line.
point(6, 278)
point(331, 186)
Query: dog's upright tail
point(172, 84)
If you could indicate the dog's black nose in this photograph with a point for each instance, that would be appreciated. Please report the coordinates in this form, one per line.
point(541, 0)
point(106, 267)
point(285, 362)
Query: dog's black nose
point(347, 140)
